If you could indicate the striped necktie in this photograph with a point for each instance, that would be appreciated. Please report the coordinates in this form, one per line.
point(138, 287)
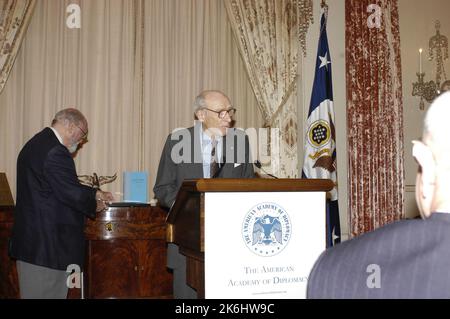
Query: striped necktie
point(214, 166)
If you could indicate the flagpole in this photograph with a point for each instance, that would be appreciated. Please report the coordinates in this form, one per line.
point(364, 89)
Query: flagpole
point(320, 139)
point(324, 7)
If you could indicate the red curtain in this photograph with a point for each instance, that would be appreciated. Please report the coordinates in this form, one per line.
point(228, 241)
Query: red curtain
point(374, 114)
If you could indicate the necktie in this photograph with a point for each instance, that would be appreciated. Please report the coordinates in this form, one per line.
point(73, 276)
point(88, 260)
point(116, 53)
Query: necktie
point(214, 166)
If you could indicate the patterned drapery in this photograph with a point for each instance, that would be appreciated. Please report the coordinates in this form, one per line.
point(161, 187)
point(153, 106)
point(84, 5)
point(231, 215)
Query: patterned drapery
point(270, 35)
point(374, 114)
point(15, 16)
point(134, 79)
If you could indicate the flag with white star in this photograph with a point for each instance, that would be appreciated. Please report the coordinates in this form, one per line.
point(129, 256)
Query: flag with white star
point(320, 140)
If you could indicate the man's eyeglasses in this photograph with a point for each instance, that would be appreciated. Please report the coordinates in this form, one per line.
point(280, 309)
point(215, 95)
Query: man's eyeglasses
point(84, 132)
point(224, 113)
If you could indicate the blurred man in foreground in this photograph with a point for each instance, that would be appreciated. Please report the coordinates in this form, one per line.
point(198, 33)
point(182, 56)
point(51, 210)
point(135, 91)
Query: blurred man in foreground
point(405, 259)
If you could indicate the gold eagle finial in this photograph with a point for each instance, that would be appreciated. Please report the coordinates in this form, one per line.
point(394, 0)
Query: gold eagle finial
point(95, 181)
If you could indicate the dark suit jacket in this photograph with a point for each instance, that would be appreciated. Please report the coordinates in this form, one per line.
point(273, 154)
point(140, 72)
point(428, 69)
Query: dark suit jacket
point(51, 205)
point(413, 258)
point(171, 175)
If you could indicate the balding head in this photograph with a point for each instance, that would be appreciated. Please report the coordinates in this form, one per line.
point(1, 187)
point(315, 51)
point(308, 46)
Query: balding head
point(213, 108)
point(433, 156)
point(70, 115)
point(201, 101)
point(72, 126)
point(436, 130)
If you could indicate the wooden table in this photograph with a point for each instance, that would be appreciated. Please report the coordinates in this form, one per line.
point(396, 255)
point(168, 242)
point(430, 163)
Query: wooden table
point(9, 285)
point(125, 255)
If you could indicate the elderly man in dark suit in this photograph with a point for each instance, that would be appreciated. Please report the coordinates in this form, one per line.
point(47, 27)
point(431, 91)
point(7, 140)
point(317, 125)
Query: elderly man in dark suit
point(51, 208)
point(210, 149)
point(405, 259)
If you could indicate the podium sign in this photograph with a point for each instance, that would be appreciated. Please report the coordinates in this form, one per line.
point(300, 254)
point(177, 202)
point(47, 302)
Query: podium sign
point(262, 244)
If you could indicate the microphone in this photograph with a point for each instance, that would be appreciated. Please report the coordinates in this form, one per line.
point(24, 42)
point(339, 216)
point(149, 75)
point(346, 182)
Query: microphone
point(259, 165)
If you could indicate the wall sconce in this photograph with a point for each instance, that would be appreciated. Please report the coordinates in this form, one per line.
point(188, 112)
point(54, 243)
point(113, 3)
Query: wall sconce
point(438, 48)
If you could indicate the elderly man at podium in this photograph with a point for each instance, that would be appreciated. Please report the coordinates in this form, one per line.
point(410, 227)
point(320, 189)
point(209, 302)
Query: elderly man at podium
point(210, 149)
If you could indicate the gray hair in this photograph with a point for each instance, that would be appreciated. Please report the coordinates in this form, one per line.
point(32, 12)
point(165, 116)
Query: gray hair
point(70, 115)
point(200, 100)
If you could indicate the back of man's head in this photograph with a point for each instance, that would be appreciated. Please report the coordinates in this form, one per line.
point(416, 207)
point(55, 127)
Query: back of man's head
point(436, 131)
point(433, 157)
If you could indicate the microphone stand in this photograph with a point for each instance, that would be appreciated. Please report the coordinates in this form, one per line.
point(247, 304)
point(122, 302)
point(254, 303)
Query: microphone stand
point(259, 165)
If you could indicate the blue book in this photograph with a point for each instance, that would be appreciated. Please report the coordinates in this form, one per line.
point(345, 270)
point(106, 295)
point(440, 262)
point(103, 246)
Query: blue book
point(135, 187)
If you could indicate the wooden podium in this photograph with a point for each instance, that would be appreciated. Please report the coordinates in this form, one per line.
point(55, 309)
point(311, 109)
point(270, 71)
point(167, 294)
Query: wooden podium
point(186, 219)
